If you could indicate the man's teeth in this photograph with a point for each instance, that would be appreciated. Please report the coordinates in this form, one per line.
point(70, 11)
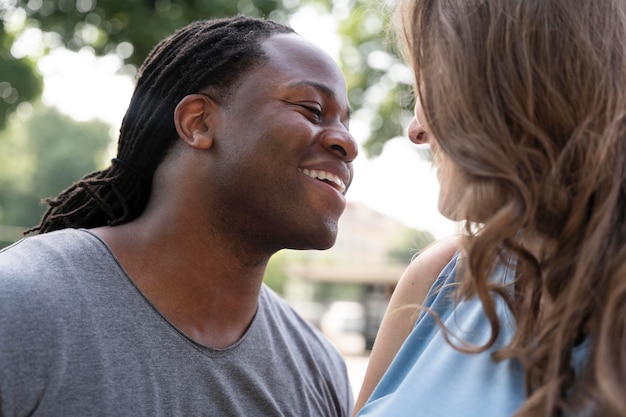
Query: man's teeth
point(328, 176)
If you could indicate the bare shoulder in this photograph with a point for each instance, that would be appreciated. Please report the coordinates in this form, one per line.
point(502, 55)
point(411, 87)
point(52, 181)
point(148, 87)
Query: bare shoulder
point(441, 251)
point(424, 270)
point(401, 315)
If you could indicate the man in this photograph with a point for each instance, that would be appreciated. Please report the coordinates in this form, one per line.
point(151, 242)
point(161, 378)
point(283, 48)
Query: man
point(147, 299)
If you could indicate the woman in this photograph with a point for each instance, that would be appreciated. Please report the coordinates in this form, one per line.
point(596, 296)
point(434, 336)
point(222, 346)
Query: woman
point(523, 103)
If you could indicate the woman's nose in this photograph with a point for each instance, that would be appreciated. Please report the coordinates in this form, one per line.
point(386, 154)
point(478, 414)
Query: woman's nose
point(417, 134)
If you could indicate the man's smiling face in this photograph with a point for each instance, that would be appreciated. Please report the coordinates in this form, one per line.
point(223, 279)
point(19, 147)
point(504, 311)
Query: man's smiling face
point(285, 150)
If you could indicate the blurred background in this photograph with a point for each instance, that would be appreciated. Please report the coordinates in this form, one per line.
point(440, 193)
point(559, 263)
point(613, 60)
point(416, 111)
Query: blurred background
point(66, 77)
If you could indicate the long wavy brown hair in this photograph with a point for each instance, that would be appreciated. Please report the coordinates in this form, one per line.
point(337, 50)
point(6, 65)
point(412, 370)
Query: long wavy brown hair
point(528, 99)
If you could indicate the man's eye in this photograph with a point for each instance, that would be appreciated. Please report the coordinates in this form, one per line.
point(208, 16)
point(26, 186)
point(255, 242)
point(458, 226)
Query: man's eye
point(314, 111)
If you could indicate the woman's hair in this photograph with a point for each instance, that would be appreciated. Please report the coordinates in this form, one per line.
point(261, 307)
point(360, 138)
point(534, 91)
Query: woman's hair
point(211, 54)
point(528, 99)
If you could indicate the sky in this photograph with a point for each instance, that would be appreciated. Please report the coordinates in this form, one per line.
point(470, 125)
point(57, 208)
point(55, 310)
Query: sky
point(399, 183)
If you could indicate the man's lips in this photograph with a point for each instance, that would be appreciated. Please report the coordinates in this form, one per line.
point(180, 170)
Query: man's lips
point(327, 177)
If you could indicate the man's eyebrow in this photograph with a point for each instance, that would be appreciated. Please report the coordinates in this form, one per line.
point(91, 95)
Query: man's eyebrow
point(320, 87)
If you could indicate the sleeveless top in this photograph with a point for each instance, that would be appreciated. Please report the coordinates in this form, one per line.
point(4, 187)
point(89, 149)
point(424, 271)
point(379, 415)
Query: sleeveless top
point(428, 377)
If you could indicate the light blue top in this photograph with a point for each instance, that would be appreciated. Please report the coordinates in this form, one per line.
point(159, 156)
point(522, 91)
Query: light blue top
point(430, 378)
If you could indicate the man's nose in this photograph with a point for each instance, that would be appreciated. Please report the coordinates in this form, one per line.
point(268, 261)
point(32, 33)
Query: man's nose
point(339, 141)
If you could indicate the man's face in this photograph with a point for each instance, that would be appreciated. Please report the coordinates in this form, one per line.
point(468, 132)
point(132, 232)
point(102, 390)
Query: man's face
point(283, 151)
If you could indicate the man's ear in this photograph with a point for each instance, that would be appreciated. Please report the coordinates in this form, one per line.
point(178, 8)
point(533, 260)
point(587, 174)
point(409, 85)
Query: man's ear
point(194, 117)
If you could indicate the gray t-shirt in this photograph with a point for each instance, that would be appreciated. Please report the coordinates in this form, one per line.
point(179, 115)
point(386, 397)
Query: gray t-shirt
point(78, 339)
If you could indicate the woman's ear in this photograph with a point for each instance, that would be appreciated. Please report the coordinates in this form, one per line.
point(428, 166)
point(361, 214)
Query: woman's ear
point(194, 117)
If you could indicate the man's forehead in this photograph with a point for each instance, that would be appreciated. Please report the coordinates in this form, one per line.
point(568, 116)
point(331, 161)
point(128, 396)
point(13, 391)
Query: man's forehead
point(294, 50)
point(296, 58)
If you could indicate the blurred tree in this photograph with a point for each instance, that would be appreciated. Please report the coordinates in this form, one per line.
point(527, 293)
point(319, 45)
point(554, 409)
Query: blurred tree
point(40, 158)
point(19, 80)
point(409, 243)
point(275, 275)
point(129, 28)
point(377, 79)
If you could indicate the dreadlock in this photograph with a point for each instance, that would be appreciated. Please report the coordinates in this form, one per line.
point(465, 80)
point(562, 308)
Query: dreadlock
point(209, 53)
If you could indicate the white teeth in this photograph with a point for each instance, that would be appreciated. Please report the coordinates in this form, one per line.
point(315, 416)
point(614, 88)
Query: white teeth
point(328, 176)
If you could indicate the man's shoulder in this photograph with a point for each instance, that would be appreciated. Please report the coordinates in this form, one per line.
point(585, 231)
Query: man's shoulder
point(279, 309)
point(46, 270)
point(54, 242)
point(49, 249)
point(292, 325)
point(296, 341)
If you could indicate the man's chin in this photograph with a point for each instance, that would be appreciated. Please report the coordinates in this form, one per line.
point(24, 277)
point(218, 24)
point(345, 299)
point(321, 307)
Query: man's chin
point(318, 241)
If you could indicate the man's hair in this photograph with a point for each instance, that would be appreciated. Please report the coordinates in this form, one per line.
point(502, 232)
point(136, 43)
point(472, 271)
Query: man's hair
point(205, 54)
point(528, 100)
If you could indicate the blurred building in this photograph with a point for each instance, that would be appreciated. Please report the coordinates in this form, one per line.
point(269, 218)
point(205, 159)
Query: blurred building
point(360, 254)
point(345, 290)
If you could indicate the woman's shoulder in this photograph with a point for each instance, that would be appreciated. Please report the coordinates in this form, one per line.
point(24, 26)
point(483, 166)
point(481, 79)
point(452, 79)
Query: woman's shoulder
point(423, 271)
point(400, 317)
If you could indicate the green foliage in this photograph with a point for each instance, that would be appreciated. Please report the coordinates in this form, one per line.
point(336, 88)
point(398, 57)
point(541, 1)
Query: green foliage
point(19, 79)
point(275, 276)
point(409, 243)
point(43, 156)
point(105, 25)
point(128, 28)
point(378, 81)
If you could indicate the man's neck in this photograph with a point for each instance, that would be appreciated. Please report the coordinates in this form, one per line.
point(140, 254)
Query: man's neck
point(202, 287)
